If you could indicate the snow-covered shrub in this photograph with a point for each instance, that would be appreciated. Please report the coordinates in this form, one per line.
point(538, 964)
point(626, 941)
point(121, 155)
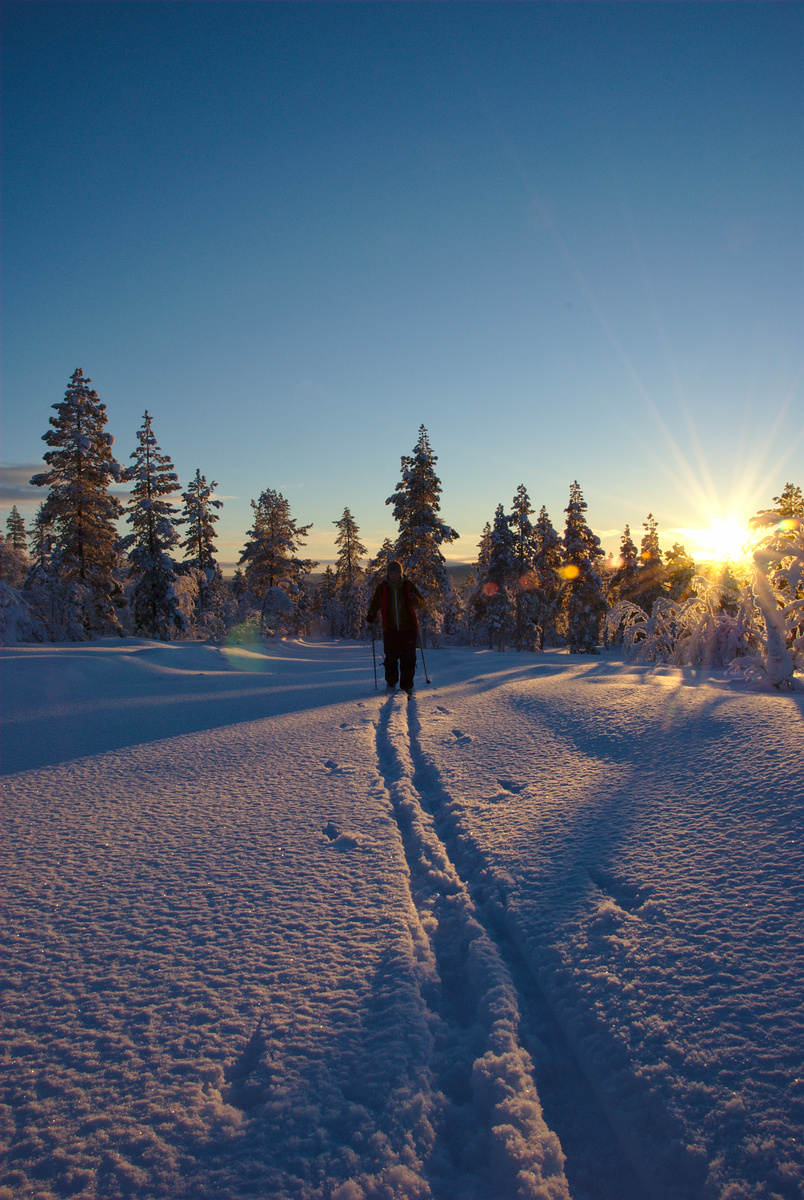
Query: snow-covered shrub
point(710, 628)
point(777, 587)
point(278, 611)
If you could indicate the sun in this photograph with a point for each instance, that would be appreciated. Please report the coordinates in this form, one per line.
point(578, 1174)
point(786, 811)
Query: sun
point(723, 541)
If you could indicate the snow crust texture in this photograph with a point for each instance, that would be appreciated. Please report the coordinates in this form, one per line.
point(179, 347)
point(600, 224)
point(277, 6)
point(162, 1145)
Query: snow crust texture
point(536, 933)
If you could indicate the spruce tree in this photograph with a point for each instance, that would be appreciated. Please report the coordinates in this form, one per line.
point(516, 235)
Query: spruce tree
point(14, 551)
point(623, 584)
point(547, 580)
point(213, 598)
point(651, 575)
point(524, 594)
point(790, 503)
point(274, 574)
point(153, 518)
point(378, 565)
point(325, 604)
point(16, 536)
point(197, 515)
point(416, 506)
point(497, 584)
point(349, 578)
point(680, 569)
point(582, 602)
point(475, 596)
point(81, 511)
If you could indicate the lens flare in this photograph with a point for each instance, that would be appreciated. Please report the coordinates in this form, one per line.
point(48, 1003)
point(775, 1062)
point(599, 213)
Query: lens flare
point(569, 572)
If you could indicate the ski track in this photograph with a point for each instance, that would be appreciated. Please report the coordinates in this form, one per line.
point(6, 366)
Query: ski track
point(491, 1131)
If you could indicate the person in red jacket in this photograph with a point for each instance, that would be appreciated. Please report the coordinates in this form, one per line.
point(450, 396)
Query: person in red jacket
point(396, 600)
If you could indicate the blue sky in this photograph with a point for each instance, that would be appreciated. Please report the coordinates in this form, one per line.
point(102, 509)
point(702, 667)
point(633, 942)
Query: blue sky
point(567, 238)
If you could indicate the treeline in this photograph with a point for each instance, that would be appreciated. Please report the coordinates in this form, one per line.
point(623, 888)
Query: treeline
point(74, 577)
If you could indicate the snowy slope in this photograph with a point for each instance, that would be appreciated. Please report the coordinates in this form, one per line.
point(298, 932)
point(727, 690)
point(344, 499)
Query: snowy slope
point(271, 933)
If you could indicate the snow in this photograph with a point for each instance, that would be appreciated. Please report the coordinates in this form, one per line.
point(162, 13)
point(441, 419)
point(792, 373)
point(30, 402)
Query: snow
point(272, 933)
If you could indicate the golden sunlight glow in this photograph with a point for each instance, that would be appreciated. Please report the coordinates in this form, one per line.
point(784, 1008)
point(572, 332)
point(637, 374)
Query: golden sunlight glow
point(724, 541)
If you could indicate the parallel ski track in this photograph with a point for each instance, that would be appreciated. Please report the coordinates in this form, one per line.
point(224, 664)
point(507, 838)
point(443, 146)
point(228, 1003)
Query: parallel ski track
point(456, 904)
point(492, 1141)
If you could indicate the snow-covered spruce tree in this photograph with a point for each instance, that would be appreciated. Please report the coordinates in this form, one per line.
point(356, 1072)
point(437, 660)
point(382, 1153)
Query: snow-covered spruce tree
point(525, 546)
point(377, 566)
point(82, 513)
point(350, 590)
point(475, 599)
point(274, 574)
point(651, 575)
point(623, 583)
point(13, 563)
point(15, 531)
point(790, 503)
point(582, 603)
point(547, 579)
point(157, 613)
point(416, 507)
point(213, 597)
point(496, 586)
point(325, 604)
point(680, 569)
point(198, 516)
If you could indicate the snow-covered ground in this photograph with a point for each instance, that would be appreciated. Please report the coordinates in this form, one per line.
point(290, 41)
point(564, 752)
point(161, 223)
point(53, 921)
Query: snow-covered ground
point(272, 933)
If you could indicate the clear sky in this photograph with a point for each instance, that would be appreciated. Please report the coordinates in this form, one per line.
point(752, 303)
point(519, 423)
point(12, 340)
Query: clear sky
point(566, 237)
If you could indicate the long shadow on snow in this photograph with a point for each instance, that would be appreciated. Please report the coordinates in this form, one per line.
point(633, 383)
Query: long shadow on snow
point(60, 715)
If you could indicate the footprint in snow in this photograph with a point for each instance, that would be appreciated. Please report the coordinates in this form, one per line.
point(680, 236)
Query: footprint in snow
point(340, 839)
point(440, 708)
point(509, 789)
point(462, 738)
point(333, 767)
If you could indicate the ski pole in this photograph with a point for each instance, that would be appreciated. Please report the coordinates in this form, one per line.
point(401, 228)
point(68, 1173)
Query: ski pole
point(424, 664)
point(374, 656)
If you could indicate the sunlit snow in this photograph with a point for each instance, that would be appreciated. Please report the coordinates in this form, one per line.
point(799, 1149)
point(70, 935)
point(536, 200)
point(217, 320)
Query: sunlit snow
point(270, 932)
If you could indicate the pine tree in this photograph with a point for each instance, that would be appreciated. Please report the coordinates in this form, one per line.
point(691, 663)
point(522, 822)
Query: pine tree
point(16, 535)
point(525, 546)
point(547, 580)
point(274, 574)
point(416, 506)
point(651, 575)
point(582, 602)
point(81, 511)
point(154, 519)
point(349, 578)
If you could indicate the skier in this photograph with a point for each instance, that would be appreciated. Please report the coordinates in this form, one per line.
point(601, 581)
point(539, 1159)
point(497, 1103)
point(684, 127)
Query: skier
point(396, 600)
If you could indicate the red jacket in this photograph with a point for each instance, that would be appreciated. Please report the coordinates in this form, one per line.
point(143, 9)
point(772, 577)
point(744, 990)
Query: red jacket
point(382, 600)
